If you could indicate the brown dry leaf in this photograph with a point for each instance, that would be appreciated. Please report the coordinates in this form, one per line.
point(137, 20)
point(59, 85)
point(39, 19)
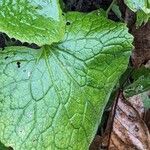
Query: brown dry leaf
point(129, 131)
point(137, 103)
point(147, 118)
point(125, 129)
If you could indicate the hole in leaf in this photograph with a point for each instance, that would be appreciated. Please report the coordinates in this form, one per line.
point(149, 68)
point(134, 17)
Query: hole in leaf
point(38, 7)
point(68, 23)
point(10, 148)
point(6, 57)
point(18, 64)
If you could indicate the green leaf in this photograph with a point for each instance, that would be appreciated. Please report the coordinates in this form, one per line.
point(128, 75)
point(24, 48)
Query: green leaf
point(136, 5)
point(2, 147)
point(142, 18)
point(140, 84)
point(32, 21)
point(53, 98)
point(142, 8)
point(116, 10)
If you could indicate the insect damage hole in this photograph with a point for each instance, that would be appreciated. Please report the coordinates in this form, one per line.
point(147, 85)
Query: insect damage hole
point(6, 57)
point(68, 23)
point(10, 148)
point(18, 64)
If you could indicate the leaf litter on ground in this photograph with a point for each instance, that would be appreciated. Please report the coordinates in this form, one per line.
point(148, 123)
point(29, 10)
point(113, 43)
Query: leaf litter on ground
point(126, 129)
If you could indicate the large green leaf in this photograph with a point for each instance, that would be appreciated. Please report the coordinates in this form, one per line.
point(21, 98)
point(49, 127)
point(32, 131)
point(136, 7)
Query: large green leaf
point(32, 21)
point(53, 98)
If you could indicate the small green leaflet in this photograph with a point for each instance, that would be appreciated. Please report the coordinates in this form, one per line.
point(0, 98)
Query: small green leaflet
point(142, 18)
point(32, 21)
point(141, 82)
point(53, 98)
point(142, 8)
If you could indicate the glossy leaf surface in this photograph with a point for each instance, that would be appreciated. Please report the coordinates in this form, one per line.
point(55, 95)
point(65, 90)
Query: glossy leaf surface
point(32, 21)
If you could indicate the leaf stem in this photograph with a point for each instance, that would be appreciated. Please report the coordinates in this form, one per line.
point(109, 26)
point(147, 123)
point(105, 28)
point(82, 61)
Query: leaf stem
point(109, 8)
